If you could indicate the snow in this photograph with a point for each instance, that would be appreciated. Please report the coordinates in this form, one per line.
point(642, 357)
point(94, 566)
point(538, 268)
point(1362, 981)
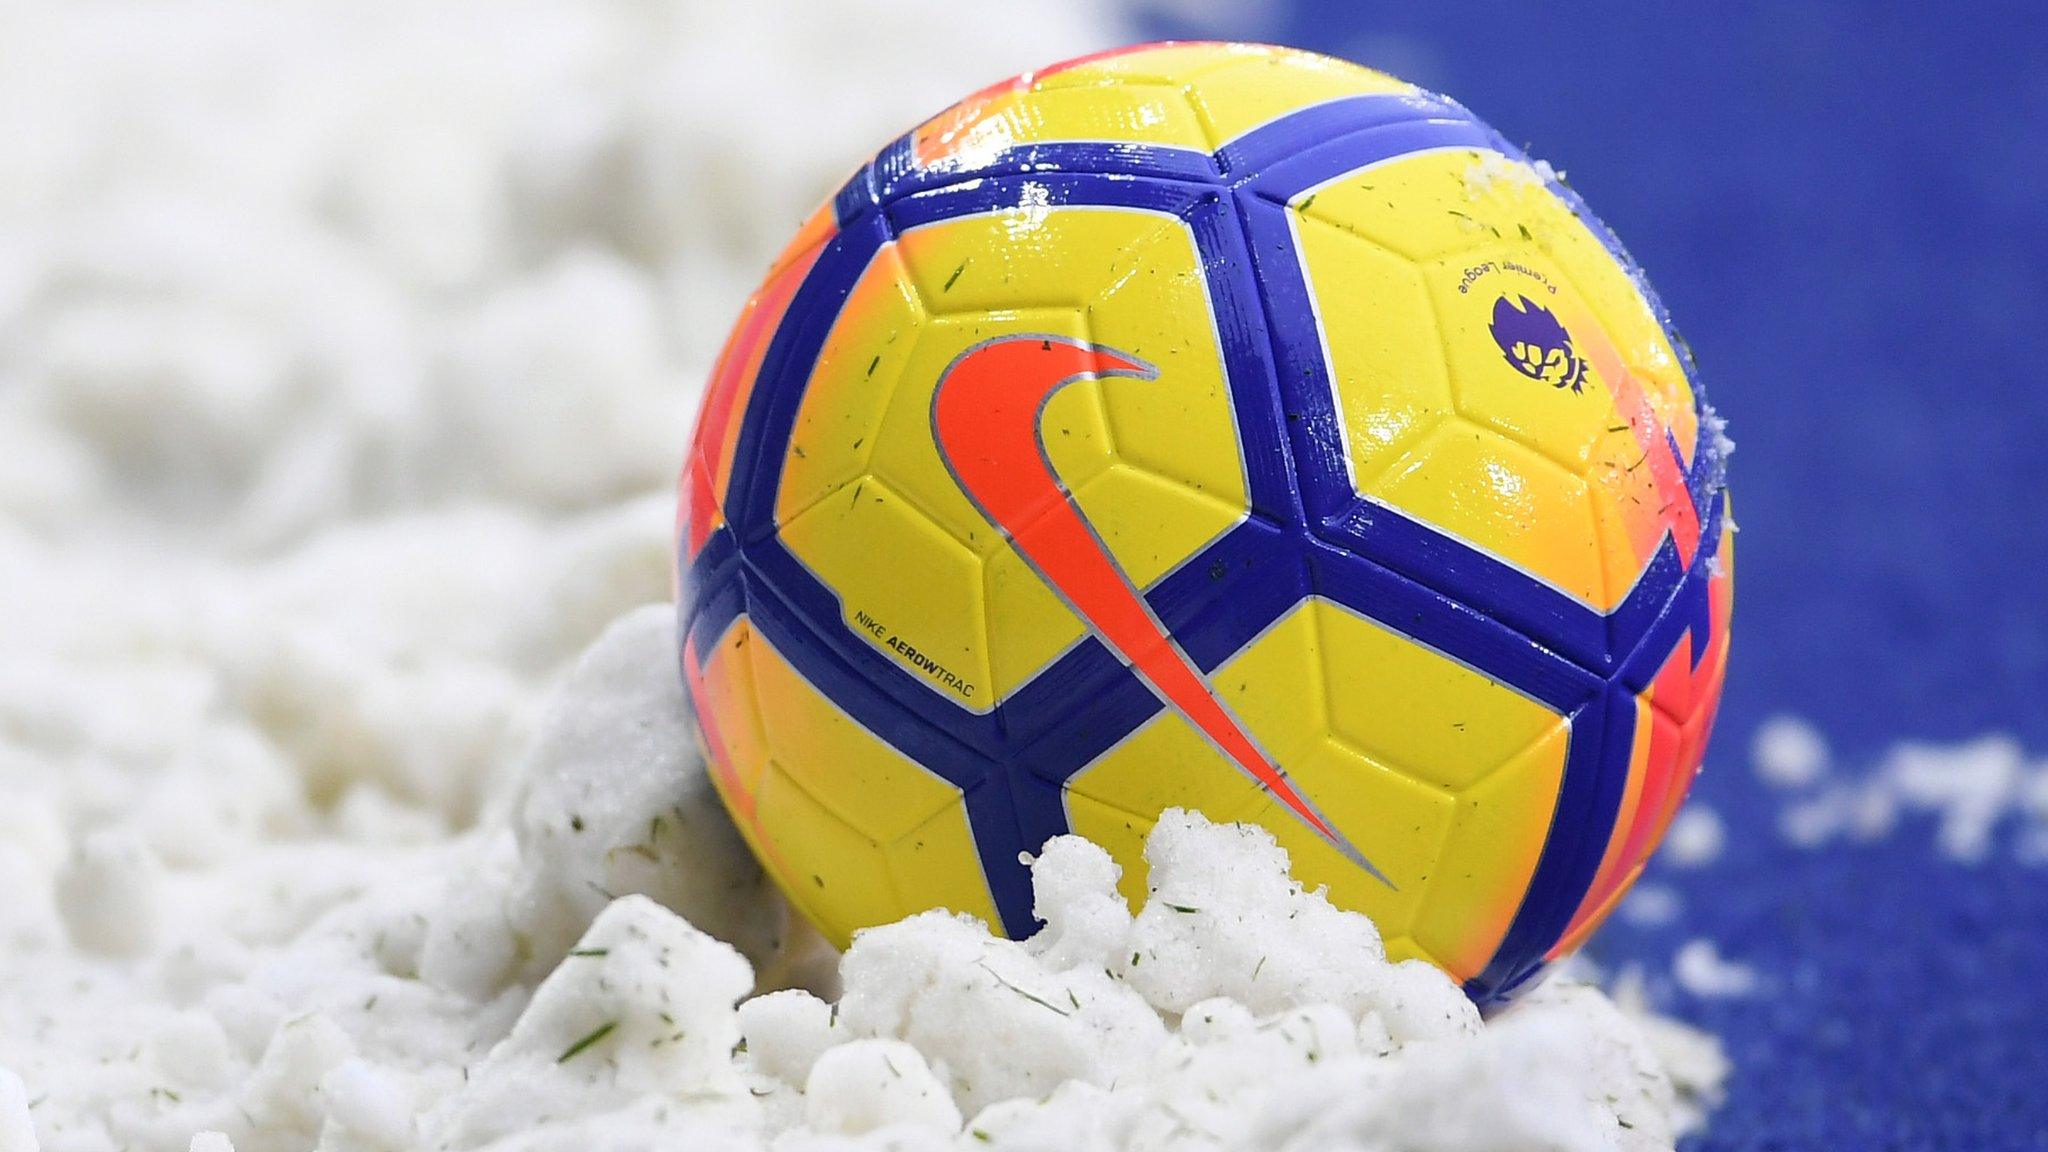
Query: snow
point(1701, 970)
point(1260, 1017)
point(467, 995)
point(1981, 796)
point(1789, 752)
point(350, 795)
point(1651, 905)
point(1696, 838)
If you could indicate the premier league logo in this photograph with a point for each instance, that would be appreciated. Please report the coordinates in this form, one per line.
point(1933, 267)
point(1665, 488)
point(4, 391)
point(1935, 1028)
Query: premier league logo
point(1536, 344)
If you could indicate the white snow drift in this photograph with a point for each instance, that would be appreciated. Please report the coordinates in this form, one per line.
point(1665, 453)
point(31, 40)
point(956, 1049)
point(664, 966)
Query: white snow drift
point(1983, 797)
point(538, 982)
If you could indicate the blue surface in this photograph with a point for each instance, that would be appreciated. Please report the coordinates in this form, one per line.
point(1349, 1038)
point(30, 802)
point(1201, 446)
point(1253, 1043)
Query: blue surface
point(1844, 208)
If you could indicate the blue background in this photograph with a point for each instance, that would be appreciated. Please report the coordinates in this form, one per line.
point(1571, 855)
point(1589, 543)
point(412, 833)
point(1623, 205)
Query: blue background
point(1843, 207)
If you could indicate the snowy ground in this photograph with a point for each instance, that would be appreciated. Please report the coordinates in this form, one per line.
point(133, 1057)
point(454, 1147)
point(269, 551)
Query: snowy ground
point(343, 376)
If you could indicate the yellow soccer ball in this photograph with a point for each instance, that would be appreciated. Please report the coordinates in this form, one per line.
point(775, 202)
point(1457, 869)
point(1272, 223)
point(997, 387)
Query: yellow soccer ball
point(1215, 426)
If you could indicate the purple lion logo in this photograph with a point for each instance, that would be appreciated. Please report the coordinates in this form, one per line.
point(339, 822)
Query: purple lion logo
point(1536, 344)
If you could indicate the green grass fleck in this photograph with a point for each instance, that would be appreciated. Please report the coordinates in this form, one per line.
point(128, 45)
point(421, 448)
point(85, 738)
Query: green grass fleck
point(579, 1047)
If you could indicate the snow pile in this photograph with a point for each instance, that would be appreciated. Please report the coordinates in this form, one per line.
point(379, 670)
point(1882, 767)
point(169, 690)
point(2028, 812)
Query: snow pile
point(519, 989)
point(1983, 796)
point(344, 372)
point(1236, 1010)
point(531, 984)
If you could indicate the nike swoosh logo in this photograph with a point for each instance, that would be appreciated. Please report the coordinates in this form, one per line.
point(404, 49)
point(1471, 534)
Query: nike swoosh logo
point(986, 414)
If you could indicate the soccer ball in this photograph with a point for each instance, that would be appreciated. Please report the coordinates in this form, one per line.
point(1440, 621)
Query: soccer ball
point(1216, 426)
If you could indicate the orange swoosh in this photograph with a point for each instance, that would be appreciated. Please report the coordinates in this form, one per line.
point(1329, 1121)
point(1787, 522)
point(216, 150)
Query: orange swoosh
point(985, 418)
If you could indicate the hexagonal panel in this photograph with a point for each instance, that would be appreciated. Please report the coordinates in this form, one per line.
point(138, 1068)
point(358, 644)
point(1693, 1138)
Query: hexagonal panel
point(1398, 822)
point(1417, 710)
point(836, 876)
point(1259, 84)
point(1506, 500)
point(857, 776)
point(1150, 524)
point(1384, 353)
point(1496, 836)
point(1516, 217)
point(1424, 205)
point(1029, 624)
point(838, 419)
point(868, 544)
point(1031, 255)
point(1181, 425)
point(1515, 338)
point(931, 867)
point(1166, 763)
